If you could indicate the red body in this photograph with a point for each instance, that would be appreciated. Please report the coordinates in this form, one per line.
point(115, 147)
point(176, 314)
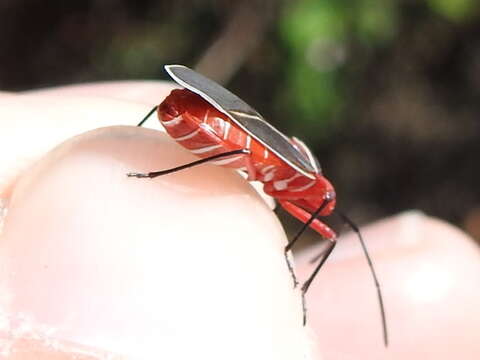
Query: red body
point(205, 131)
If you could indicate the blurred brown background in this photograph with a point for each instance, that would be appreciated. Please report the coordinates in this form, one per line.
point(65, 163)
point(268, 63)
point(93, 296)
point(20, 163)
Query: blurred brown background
point(386, 93)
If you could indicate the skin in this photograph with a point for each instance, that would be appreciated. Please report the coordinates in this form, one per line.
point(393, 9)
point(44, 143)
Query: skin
point(191, 265)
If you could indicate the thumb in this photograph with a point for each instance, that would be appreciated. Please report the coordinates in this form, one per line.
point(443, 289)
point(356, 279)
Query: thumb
point(186, 265)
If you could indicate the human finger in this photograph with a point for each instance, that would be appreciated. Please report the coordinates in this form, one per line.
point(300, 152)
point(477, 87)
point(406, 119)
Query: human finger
point(34, 122)
point(429, 273)
point(187, 265)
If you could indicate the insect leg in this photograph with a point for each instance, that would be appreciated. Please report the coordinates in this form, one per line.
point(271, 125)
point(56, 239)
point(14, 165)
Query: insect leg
point(312, 221)
point(154, 174)
point(318, 256)
point(148, 115)
point(307, 283)
point(308, 220)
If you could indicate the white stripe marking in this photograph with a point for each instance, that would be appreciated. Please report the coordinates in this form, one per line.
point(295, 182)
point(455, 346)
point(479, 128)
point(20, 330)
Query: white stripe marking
point(205, 149)
point(265, 153)
point(226, 130)
point(305, 187)
point(283, 184)
point(266, 169)
point(207, 128)
point(188, 136)
point(221, 123)
point(174, 121)
point(248, 142)
point(269, 176)
point(226, 161)
point(296, 175)
point(206, 116)
point(280, 185)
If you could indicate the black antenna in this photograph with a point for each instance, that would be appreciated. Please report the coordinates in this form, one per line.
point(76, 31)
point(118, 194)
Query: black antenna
point(355, 228)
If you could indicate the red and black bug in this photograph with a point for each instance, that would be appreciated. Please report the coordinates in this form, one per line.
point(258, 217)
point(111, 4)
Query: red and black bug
point(222, 129)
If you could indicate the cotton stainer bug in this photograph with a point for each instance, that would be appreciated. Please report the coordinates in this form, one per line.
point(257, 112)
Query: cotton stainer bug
point(222, 129)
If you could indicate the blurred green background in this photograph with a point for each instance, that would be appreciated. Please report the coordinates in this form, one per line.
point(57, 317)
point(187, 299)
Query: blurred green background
point(386, 93)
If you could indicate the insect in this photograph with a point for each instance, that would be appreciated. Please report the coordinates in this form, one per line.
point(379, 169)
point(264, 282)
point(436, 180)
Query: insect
point(222, 129)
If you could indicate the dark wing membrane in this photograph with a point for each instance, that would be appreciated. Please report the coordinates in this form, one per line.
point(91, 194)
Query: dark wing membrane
point(243, 115)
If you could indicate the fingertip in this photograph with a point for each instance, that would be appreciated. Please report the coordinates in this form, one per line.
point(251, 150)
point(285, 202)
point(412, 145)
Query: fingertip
point(124, 264)
point(34, 123)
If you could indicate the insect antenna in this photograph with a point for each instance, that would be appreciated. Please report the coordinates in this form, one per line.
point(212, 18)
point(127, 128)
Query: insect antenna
point(148, 115)
point(355, 228)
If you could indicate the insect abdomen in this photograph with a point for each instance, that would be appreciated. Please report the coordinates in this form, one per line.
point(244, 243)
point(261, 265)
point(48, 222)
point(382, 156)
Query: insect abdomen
point(200, 128)
point(205, 131)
